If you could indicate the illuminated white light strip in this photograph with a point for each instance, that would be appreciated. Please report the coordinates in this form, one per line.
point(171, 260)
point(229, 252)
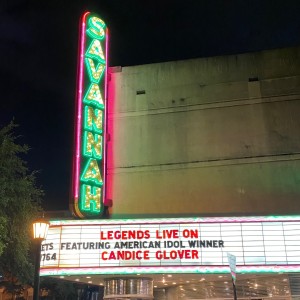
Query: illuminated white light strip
point(161, 270)
point(177, 220)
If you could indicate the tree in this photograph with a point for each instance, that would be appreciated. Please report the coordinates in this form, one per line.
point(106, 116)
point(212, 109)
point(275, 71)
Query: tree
point(19, 206)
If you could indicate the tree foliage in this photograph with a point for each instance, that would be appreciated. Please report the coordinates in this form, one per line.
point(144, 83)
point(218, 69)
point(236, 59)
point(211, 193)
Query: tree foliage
point(58, 289)
point(20, 204)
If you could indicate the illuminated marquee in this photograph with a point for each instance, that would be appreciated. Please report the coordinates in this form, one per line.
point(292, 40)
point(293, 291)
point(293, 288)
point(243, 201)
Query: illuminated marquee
point(187, 245)
point(88, 190)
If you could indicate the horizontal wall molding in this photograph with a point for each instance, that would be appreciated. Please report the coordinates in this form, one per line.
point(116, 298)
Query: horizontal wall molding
point(205, 106)
point(206, 163)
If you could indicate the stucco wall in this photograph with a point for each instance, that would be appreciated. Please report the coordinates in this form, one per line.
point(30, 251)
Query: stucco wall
point(215, 135)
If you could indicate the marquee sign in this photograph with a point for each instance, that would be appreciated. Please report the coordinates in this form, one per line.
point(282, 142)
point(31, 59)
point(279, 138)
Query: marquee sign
point(160, 245)
point(88, 190)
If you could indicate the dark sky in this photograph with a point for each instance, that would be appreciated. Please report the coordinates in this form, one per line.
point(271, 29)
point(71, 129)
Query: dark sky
point(38, 50)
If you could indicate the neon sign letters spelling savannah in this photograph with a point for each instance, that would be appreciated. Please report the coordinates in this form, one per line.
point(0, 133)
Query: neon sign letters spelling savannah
point(88, 190)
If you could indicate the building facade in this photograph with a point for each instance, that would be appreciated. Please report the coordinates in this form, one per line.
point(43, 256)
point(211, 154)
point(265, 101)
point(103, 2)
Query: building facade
point(209, 136)
point(206, 147)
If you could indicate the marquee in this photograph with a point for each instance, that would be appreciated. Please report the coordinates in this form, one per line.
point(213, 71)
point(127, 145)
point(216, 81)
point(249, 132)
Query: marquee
point(188, 245)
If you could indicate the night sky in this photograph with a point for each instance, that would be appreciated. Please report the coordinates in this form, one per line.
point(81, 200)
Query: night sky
point(38, 48)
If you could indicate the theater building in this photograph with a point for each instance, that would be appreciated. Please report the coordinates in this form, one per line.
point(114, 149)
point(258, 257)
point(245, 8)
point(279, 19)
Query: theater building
point(200, 159)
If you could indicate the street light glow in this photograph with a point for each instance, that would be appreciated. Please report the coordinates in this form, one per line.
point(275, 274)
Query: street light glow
point(40, 229)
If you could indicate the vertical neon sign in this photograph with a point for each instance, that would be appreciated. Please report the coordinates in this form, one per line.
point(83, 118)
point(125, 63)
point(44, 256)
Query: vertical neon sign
point(88, 184)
